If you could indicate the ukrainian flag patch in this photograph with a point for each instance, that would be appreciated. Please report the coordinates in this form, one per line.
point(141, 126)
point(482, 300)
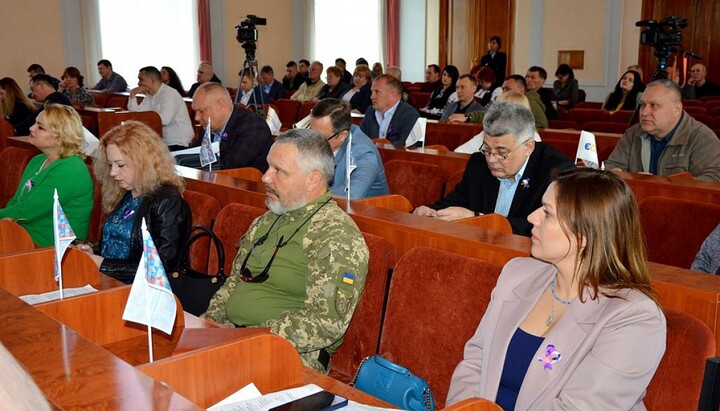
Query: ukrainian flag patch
point(349, 278)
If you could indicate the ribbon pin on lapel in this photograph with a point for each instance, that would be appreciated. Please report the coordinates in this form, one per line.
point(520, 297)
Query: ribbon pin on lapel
point(551, 357)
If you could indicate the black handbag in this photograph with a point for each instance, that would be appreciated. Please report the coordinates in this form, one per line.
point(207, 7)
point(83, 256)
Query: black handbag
point(193, 288)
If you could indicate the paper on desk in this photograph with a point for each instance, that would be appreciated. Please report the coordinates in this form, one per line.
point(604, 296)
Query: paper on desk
point(33, 299)
point(196, 150)
point(265, 402)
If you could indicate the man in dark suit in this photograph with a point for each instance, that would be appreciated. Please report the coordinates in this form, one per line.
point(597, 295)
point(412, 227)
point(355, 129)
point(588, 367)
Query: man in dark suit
point(508, 176)
point(205, 74)
point(495, 59)
point(292, 80)
point(347, 76)
point(42, 91)
point(535, 80)
point(389, 117)
point(244, 136)
point(270, 86)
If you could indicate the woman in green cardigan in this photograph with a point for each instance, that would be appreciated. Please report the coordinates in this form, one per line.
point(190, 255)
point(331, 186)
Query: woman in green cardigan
point(58, 134)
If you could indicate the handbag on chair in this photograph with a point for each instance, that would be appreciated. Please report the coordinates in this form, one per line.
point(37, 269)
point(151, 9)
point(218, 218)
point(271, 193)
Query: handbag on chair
point(195, 289)
point(393, 383)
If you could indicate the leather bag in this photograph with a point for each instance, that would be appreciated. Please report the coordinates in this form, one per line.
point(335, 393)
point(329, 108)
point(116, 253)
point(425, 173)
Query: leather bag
point(195, 289)
point(393, 383)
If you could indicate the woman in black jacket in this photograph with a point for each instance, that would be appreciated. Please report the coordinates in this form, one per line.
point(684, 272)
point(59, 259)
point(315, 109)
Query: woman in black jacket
point(138, 179)
point(439, 97)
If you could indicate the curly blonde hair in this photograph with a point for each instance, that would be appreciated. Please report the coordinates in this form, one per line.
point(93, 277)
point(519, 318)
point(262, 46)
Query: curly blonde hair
point(64, 122)
point(144, 151)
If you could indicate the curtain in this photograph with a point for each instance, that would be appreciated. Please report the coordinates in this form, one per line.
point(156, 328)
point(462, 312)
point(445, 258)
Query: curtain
point(392, 41)
point(204, 40)
point(90, 14)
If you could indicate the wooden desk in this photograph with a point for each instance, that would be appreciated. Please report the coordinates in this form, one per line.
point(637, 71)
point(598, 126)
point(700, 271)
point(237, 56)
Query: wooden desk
point(33, 272)
point(402, 229)
point(449, 161)
point(14, 238)
point(645, 185)
point(74, 373)
point(692, 292)
point(110, 119)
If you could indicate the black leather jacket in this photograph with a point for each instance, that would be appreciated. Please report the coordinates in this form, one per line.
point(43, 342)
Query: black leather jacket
point(168, 219)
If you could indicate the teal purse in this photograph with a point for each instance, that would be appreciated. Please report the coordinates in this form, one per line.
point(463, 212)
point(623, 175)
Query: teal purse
point(393, 383)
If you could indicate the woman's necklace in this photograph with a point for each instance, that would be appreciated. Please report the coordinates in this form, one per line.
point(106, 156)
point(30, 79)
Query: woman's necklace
point(553, 316)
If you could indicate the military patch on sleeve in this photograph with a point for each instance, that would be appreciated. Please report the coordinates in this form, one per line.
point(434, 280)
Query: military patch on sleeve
point(349, 278)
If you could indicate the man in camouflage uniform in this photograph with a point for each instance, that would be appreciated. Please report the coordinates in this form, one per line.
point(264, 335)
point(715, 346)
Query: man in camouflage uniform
point(300, 267)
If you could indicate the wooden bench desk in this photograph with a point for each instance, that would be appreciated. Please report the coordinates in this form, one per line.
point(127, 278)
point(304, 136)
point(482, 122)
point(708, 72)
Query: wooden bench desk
point(74, 373)
point(33, 271)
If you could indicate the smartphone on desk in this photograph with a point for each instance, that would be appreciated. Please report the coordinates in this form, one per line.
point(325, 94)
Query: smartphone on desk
point(320, 401)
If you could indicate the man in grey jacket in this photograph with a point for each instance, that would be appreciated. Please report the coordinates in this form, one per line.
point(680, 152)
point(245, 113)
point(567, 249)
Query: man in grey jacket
point(667, 140)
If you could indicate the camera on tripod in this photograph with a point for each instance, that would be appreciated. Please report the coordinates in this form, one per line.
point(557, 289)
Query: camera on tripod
point(665, 32)
point(247, 34)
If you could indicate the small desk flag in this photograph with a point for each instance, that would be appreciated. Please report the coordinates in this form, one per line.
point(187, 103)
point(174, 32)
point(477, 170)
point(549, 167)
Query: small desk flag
point(207, 155)
point(273, 121)
point(151, 300)
point(350, 166)
point(417, 133)
point(587, 150)
point(63, 235)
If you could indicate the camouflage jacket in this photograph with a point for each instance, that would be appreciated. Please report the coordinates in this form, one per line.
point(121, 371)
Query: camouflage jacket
point(332, 256)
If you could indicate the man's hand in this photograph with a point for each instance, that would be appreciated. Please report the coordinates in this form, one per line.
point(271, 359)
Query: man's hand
point(454, 213)
point(457, 118)
point(425, 211)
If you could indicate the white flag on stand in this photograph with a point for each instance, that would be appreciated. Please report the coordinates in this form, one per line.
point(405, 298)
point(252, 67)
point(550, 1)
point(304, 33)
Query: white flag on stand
point(273, 121)
point(587, 150)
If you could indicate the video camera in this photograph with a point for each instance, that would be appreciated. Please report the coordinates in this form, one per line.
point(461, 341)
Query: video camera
point(663, 32)
point(247, 34)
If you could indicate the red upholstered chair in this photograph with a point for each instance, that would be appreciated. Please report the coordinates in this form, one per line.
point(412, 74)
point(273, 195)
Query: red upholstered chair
point(563, 124)
point(709, 98)
point(582, 96)
point(567, 147)
point(6, 130)
point(435, 304)
point(288, 111)
point(13, 161)
point(363, 334)
point(716, 122)
point(306, 109)
point(453, 180)
point(420, 183)
point(97, 218)
point(675, 229)
point(583, 115)
point(605, 127)
point(692, 103)
point(450, 135)
point(703, 118)
point(230, 224)
point(204, 209)
point(622, 116)
point(712, 105)
point(695, 110)
point(714, 112)
point(419, 99)
point(589, 104)
point(678, 379)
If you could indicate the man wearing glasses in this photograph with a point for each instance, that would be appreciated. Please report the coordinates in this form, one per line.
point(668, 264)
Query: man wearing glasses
point(508, 176)
point(331, 118)
point(301, 266)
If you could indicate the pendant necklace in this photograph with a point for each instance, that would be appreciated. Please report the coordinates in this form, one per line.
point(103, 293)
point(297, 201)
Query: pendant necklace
point(552, 316)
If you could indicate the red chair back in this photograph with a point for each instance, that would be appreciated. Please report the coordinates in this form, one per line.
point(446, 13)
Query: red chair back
point(363, 334)
point(419, 99)
point(420, 183)
point(204, 209)
point(675, 229)
point(13, 161)
point(288, 111)
point(589, 104)
point(563, 124)
point(678, 379)
point(423, 329)
point(306, 109)
point(230, 224)
point(622, 116)
point(584, 115)
point(606, 127)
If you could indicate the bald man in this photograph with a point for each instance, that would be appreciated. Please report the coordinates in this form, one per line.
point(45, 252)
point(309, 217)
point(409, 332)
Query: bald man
point(697, 86)
point(205, 74)
point(244, 136)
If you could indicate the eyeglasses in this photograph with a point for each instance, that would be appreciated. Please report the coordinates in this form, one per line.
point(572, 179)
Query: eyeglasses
point(245, 273)
point(336, 134)
point(500, 156)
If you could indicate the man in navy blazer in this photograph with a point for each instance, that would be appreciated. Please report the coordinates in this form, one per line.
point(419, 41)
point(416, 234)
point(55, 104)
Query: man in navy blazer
point(389, 117)
point(508, 176)
point(244, 136)
point(331, 118)
point(269, 85)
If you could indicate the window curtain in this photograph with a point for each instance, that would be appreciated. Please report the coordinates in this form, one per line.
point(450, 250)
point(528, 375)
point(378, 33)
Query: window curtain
point(90, 15)
point(392, 28)
point(204, 39)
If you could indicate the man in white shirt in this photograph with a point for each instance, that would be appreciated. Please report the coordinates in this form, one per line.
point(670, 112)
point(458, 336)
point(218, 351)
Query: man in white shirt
point(166, 101)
